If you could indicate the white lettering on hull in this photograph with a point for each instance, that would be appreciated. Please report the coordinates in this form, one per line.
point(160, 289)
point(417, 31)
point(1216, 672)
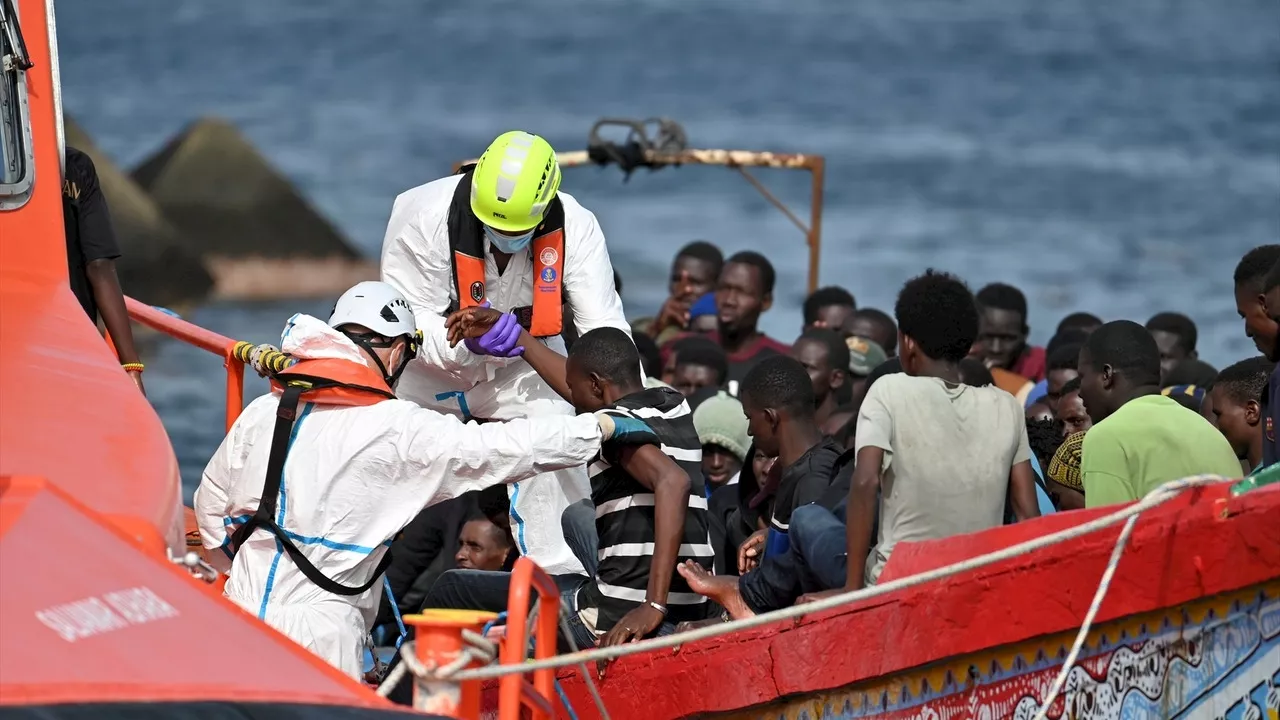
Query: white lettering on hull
point(113, 611)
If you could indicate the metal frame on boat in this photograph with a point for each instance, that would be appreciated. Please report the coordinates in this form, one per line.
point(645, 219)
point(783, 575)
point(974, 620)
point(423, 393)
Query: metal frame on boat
point(665, 146)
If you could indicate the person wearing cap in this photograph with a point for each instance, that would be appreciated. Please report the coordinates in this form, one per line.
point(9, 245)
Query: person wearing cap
point(726, 448)
point(502, 233)
point(722, 430)
point(864, 356)
point(1066, 488)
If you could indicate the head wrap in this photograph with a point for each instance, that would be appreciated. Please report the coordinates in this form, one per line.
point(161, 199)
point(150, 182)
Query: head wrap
point(1064, 468)
point(720, 421)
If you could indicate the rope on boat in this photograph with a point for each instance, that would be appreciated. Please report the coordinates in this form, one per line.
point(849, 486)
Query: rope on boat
point(531, 622)
point(479, 649)
point(1156, 497)
point(1121, 543)
point(582, 668)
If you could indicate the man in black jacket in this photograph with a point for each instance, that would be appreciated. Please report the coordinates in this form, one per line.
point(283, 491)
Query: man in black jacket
point(815, 559)
point(91, 257)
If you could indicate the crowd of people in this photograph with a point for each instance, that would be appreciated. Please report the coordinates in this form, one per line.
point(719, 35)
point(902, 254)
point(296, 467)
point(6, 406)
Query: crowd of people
point(488, 399)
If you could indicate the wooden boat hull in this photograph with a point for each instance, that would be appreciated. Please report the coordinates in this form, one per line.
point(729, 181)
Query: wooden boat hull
point(1190, 628)
point(1217, 657)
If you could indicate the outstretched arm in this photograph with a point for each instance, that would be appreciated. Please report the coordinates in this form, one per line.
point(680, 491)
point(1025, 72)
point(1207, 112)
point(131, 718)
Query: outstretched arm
point(549, 364)
point(440, 457)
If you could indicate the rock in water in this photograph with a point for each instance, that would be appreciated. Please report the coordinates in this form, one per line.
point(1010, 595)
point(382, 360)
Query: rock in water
point(259, 237)
point(156, 265)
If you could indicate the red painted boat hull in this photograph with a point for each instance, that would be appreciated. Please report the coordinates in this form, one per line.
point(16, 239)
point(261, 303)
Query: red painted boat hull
point(985, 643)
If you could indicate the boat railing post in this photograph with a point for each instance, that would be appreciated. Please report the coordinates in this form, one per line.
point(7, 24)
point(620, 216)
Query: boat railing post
point(513, 690)
point(235, 386)
point(813, 236)
point(438, 642)
point(168, 322)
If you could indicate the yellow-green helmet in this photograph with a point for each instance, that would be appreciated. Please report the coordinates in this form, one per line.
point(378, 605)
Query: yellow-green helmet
point(515, 181)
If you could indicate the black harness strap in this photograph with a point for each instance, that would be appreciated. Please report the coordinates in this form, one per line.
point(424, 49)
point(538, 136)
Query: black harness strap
point(264, 517)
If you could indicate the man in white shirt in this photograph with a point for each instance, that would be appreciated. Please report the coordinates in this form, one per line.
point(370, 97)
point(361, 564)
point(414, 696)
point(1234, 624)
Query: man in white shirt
point(942, 454)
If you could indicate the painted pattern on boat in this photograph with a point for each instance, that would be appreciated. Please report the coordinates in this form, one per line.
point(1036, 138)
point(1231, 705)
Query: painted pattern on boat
point(1218, 658)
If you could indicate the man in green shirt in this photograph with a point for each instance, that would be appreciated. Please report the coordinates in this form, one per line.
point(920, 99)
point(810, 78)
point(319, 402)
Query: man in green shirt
point(1140, 439)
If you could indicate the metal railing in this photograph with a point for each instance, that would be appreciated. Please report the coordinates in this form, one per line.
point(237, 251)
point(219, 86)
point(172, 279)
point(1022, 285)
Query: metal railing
point(449, 643)
point(741, 160)
point(666, 146)
point(514, 692)
point(207, 340)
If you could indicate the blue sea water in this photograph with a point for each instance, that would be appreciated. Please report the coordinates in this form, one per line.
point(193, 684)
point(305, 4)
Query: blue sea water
point(1114, 157)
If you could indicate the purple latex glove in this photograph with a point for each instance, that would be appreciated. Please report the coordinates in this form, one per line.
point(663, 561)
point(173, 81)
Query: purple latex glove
point(500, 340)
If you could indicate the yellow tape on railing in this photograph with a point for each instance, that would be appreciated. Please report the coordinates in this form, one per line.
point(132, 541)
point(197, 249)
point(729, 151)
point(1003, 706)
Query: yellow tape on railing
point(272, 361)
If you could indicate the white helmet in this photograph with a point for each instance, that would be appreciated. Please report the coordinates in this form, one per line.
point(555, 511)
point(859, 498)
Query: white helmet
point(377, 306)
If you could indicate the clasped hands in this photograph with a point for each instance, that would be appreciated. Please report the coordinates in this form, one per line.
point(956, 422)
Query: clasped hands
point(485, 331)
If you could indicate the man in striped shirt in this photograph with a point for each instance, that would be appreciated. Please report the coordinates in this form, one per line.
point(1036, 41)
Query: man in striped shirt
point(651, 511)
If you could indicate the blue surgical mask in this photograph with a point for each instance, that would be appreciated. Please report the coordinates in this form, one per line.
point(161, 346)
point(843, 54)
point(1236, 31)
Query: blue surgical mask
point(508, 243)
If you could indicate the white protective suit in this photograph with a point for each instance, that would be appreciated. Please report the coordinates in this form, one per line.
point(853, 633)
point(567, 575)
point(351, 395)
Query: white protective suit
point(354, 476)
point(417, 261)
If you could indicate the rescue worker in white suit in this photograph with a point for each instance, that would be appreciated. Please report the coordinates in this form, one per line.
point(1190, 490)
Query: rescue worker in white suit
point(502, 233)
point(304, 542)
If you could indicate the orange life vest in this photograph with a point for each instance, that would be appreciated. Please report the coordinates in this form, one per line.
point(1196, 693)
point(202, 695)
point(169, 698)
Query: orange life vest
point(334, 382)
point(545, 317)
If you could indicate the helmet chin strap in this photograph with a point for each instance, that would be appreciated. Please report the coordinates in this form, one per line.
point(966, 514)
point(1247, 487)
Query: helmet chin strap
point(369, 346)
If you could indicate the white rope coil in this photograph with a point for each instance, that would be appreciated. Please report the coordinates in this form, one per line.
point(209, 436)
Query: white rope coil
point(478, 650)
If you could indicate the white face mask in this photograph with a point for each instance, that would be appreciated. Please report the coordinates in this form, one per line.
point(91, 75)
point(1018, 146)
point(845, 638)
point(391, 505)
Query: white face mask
point(508, 243)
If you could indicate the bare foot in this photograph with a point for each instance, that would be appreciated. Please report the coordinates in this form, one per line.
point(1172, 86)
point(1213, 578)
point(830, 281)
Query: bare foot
point(724, 590)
